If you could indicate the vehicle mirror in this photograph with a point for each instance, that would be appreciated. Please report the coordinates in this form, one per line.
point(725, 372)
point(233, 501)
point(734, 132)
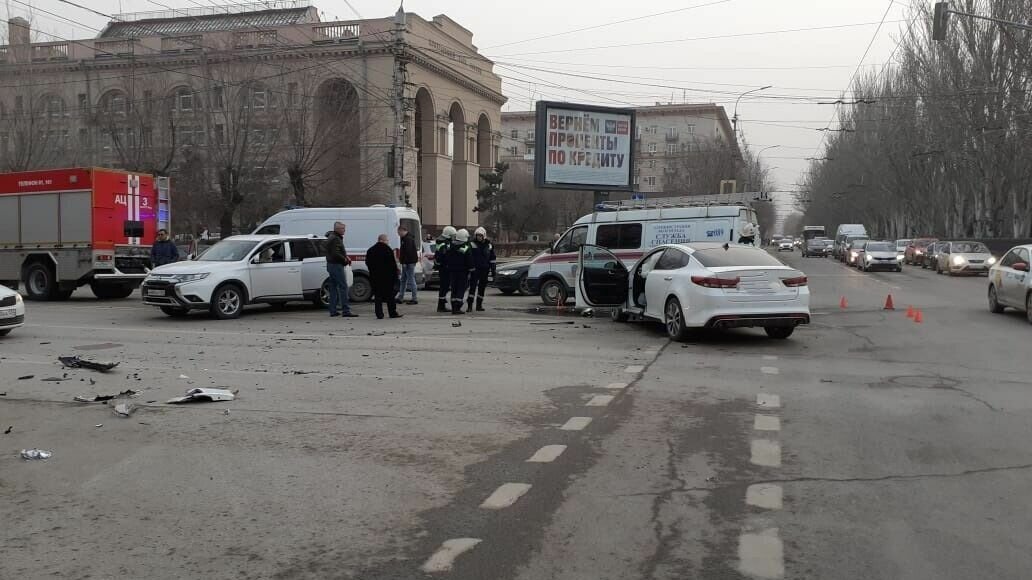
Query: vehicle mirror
point(1021, 266)
point(257, 258)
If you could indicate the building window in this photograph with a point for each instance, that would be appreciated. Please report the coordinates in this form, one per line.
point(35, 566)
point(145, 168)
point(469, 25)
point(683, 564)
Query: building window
point(690, 129)
point(652, 163)
point(650, 180)
point(515, 134)
point(671, 132)
point(216, 97)
point(258, 99)
point(184, 100)
point(652, 129)
point(84, 137)
point(530, 150)
point(530, 135)
point(84, 102)
point(652, 147)
point(514, 150)
point(637, 180)
point(220, 133)
point(671, 148)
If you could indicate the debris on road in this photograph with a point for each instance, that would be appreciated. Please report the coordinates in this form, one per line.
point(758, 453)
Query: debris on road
point(99, 425)
point(100, 398)
point(588, 313)
point(456, 323)
point(8, 430)
point(30, 454)
point(53, 379)
point(184, 377)
point(124, 409)
point(75, 362)
point(550, 323)
point(203, 395)
point(26, 377)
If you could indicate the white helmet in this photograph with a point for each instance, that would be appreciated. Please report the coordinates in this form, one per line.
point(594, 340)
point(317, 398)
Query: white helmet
point(449, 232)
point(480, 232)
point(462, 236)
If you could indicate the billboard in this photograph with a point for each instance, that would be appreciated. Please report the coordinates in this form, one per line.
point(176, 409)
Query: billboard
point(584, 147)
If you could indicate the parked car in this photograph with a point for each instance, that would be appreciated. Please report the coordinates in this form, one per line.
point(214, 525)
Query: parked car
point(238, 271)
point(901, 247)
point(881, 256)
point(914, 254)
point(854, 251)
point(697, 285)
point(1010, 284)
point(786, 244)
point(931, 255)
point(964, 258)
point(511, 277)
point(12, 310)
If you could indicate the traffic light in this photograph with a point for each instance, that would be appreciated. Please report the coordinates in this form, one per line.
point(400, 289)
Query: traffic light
point(940, 20)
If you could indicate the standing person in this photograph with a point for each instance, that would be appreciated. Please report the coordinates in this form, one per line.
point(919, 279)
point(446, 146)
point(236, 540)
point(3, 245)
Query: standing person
point(336, 260)
point(443, 245)
point(483, 265)
point(383, 273)
point(164, 251)
point(458, 263)
point(409, 255)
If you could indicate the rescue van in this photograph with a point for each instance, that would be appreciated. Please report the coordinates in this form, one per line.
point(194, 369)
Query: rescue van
point(630, 232)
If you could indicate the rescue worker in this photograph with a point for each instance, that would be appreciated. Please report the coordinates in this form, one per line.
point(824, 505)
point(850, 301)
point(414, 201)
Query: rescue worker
point(483, 266)
point(443, 244)
point(748, 234)
point(458, 263)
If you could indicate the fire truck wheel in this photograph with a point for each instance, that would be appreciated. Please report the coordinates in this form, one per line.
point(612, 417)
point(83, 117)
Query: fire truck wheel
point(110, 291)
point(40, 283)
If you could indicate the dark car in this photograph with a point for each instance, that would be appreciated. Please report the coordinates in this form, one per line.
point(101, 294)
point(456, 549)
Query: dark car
point(914, 255)
point(931, 255)
point(511, 277)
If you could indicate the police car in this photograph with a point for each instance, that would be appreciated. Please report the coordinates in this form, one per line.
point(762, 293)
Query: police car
point(1010, 285)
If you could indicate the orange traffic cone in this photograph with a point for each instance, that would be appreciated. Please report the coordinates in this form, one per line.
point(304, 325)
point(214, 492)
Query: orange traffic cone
point(842, 303)
point(910, 311)
point(918, 317)
point(888, 303)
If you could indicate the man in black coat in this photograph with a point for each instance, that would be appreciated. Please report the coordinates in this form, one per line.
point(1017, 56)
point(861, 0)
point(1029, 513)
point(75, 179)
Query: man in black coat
point(383, 274)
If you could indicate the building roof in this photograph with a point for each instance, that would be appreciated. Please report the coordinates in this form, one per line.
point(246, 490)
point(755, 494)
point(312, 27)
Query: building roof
point(210, 22)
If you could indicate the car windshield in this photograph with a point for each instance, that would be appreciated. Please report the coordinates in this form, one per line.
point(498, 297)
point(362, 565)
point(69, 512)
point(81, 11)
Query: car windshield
point(970, 248)
point(828, 242)
point(734, 256)
point(880, 247)
point(228, 251)
point(900, 244)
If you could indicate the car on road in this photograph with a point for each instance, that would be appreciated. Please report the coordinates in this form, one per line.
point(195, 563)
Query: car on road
point(697, 285)
point(914, 254)
point(238, 271)
point(881, 255)
point(511, 277)
point(931, 254)
point(901, 247)
point(853, 251)
point(964, 258)
point(786, 244)
point(842, 247)
point(817, 247)
point(12, 310)
point(1010, 285)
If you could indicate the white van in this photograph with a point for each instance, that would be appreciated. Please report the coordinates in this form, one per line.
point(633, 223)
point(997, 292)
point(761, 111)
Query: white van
point(364, 225)
point(844, 234)
point(629, 233)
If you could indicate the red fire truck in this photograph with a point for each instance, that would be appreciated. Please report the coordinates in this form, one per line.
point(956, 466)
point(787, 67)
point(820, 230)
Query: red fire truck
point(64, 228)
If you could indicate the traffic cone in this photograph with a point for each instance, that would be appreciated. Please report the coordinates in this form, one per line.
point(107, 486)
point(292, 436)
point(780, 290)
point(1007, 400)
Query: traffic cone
point(888, 303)
point(918, 317)
point(910, 311)
point(842, 303)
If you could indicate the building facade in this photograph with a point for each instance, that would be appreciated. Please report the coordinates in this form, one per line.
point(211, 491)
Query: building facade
point(252, 107)
point(675, 145)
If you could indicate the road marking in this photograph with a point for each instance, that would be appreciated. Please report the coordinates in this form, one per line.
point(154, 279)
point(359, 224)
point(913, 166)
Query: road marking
point(769, 357)
point(576, 423)
point(547, 454)
point(505, 496)
point(599, 401)
point(634, 369)
point(444, 558)
point(767, 423)
point(764, 495)
point(765, 452)
point(769, 401)
point(616, 386)
point(762, 554)
point(770, 370)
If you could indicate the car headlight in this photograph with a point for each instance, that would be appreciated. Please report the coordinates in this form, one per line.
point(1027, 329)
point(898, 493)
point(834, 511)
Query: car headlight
point(852, 255)
point(899, 258)
point(919, 252)
point(868, 257)
point(958, 260)
point(991, 260)
point(17, 299)
point(182, 278)
point(506, 272)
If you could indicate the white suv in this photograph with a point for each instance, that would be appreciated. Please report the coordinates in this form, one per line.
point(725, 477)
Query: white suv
point(12, 310)
point(238, 271)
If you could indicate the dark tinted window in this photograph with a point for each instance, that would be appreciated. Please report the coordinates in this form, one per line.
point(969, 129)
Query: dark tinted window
point(734, 256)
point(301, 249)
point(572, 241)
point(672, 259)
point(619, 236)
point(270, 230)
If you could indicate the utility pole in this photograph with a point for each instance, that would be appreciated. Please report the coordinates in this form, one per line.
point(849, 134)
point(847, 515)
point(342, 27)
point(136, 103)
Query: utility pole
point(941, 19)
point(397, 158)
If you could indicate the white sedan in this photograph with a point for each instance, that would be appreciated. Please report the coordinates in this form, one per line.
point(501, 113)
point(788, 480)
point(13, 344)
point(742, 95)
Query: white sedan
point(12, 310)
point(1010, 284)
point(697, 285)
point(238, 271)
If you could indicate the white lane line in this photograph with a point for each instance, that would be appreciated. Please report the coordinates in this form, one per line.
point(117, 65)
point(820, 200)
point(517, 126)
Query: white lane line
point(634, 369)
point(547, 454)
point(770, 370)
point(764, 495)
point(505, 496)
point(599, 401)
point(769, 357)
point(762, 554)
point(769, 401)
point(444, 558)
point(576, 423)
point(767, 423)
point(765, 453)
point(616, 386)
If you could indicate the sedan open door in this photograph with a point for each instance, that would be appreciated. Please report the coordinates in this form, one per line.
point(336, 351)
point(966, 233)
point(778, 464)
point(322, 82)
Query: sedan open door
point(602, 279)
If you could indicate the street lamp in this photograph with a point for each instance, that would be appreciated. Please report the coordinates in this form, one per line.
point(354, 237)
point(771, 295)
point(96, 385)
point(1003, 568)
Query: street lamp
point(734, 119)
point(759, 168)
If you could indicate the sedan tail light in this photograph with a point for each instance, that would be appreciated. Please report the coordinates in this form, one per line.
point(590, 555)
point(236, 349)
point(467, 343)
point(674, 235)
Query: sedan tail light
point(715, 282)
point(794, 282)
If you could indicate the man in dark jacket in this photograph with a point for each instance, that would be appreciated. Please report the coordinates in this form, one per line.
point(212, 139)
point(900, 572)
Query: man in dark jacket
point(163, 251)
point(443, 244)
point(383, 273)
point(336, 261)
point(483, 266)
point(409, 255)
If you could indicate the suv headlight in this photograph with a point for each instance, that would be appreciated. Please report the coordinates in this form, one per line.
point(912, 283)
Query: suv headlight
point(17, 299)
point(958, 260)
point(182, 278)
point(868, 257)
point(899, 258)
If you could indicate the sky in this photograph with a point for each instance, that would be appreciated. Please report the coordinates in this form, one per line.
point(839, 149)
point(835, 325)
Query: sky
point(620, 53)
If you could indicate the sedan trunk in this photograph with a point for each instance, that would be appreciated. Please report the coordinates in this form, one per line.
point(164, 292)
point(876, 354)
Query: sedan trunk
point(759, 283)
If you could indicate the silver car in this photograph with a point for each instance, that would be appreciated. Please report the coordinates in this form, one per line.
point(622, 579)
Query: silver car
point(964, 258)
point(1010, 285)
point(880, 256)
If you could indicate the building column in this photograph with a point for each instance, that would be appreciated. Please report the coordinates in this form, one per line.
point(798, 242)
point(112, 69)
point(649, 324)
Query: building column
point(465, 179)
point(437, 177)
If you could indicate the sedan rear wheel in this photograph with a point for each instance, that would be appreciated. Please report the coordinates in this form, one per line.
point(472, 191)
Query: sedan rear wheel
point(994, 304)
point(779, 332)
point(675, 325)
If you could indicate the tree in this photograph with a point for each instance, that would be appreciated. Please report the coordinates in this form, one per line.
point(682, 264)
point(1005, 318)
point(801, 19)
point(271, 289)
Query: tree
point(139, 126)
point(701, 167)
point(492, 194)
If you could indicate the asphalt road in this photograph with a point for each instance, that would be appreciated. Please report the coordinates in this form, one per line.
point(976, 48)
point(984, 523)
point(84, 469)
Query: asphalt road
point(866, 446)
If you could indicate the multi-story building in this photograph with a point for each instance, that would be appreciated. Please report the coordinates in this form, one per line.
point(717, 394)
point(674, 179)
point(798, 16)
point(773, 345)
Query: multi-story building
point(675, 144)
point(249, 107)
